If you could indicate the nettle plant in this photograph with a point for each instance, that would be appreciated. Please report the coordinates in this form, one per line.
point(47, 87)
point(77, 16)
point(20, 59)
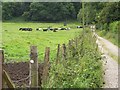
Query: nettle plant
point(81, 71)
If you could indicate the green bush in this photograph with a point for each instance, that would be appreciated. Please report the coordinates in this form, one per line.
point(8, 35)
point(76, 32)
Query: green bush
point(112, 34)
point(103, 33)
point(114, 27)
point(105, 27)
point(80, 71)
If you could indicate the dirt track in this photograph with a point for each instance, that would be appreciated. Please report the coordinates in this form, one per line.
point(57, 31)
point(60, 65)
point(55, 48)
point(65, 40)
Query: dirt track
point(110, 65)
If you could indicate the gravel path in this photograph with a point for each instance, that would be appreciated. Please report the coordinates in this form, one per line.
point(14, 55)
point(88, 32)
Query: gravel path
point(113, 49)
point(110, 65)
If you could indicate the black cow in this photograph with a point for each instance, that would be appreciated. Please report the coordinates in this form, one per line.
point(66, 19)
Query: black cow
point(63, 29)
point(29, 29)
point(38, 29)
point(51, 29)
point(20, 28)
point(26, 29)
point(79, 27)
point(54, 30)
point(45, 29)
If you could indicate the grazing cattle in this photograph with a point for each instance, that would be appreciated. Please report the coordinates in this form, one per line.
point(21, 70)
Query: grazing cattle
point(20, 28)
point(45, 29)
point(51, 29)
point(63, 29)
point(26, 29)
point(79, 27)
point(59, 28)
point(29, 29)
point(38, 29)
point(67, 28)
point(54, 30)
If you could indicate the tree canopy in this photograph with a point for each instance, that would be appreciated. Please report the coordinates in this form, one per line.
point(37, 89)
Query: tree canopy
point(95, 12)
point(41, 11)
point(100, 12)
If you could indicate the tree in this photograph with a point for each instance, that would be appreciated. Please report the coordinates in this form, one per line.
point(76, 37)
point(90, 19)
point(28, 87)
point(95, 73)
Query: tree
point(50, 11)
point(90, 13)
point(40, 11)
point(13, 9)
point(109, 14)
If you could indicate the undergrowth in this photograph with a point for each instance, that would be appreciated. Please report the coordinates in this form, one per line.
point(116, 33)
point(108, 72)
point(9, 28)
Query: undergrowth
point(82, 70)
point(112, 34)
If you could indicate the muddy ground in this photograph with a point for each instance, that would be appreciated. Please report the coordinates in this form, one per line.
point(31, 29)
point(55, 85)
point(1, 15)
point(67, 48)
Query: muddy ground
point(19, 73)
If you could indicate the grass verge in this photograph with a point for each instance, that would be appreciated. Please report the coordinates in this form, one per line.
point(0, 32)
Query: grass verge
point(84, 70)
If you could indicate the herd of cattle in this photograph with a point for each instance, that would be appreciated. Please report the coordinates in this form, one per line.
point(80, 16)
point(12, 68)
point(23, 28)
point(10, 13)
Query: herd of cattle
point(46, 29)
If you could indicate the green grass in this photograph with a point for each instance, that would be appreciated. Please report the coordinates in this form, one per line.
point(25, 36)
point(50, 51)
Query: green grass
point(112, 34)
point(84, 70)
point(112, 37)
point(16, 44)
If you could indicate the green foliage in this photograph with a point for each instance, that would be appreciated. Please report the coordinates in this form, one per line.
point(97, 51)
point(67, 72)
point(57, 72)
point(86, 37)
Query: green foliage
point(114, 27)
point(100, 12)
point(105, 15)
point(26, 16)
point(81, 71)
point(46, 11)
point(77, 6)
point(112, 35)
point(40, 11)
point(106, 27)
point(13, 9)
point(110, 13)
point(103, 33)
point(90, 12)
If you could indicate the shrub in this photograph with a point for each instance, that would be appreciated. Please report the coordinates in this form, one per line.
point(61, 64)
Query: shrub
point(114, 27)
point(80, 71)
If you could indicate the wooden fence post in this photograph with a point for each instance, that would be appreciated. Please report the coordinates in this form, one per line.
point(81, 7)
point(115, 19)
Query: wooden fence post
point(69, 43)
point(70, 46)
point(46, 65)
point(72, 41)
point(7, 79)
point(30, 72)
point(1, 72)
point(58, 53)
point(76, 42)
point(64, 52)
point(34, 66)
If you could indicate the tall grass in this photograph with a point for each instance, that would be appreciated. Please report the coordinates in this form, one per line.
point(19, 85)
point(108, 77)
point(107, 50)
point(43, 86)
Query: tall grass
point(84, 70)
point(112, 34)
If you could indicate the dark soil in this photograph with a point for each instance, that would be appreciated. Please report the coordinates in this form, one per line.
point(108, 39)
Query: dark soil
point(19, 73)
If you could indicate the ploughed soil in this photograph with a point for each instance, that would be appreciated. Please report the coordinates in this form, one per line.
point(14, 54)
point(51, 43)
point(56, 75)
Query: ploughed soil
point(19, 73)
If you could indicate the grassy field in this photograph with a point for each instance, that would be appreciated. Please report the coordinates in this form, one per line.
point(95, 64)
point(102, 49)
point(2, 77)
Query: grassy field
point(84, 69)
point(17, 43)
